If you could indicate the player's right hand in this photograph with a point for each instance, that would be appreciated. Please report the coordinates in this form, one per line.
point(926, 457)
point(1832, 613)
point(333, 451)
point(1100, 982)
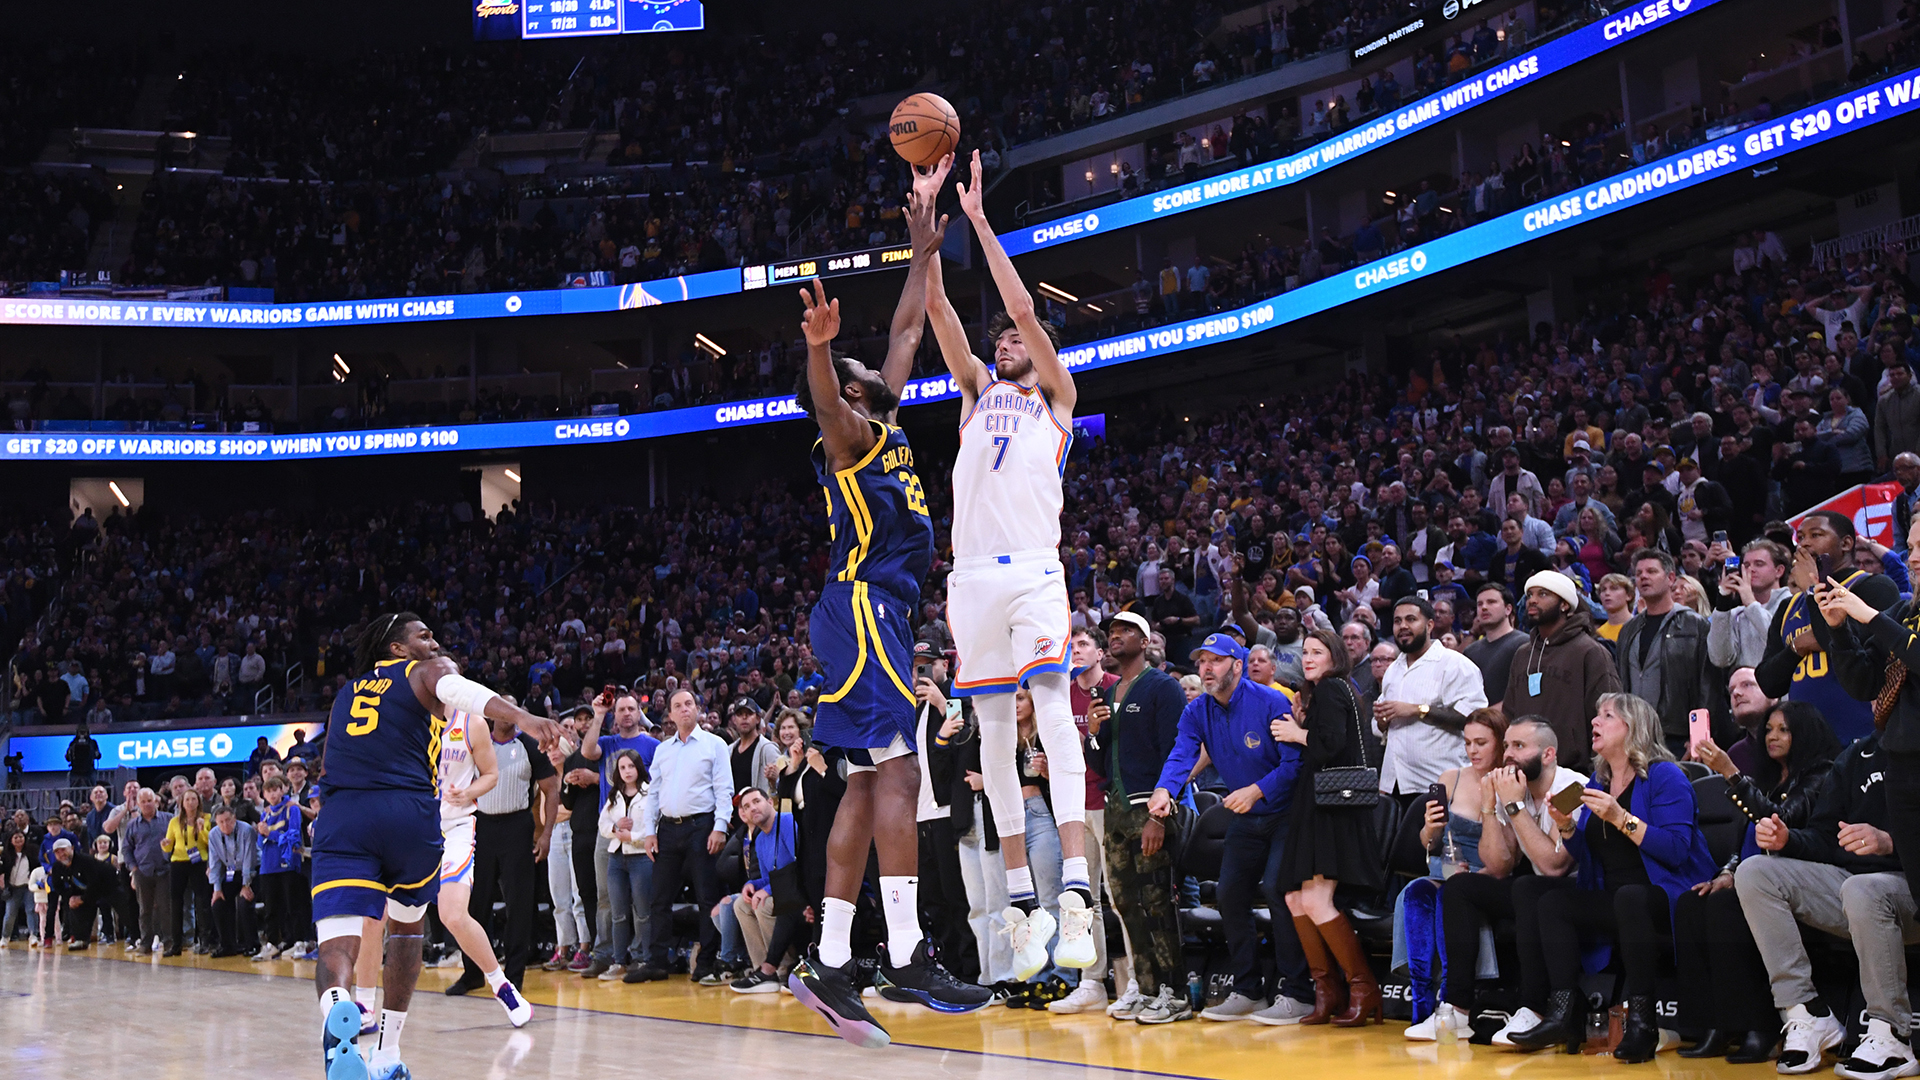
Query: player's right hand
point(972, 196)
point(548, 733)
point(821, 319)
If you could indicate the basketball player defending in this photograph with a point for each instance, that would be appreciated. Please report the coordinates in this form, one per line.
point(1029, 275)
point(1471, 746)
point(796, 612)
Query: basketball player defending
point(882, 542)
point(468, 770)
point(1007, 595)
point(377, 841)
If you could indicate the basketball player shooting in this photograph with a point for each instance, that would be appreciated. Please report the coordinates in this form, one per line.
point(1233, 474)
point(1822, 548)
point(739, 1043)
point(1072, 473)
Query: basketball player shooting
point(882, 546)
point(1007, 595)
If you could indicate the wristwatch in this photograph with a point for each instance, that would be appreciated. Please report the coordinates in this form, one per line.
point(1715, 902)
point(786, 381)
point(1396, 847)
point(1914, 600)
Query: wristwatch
point(1423, 711)
point(1516, 808)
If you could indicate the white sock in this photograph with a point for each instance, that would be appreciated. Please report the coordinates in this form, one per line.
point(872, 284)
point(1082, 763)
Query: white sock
point(901, 898)
point(1020, 883)
point(836, 932)
point(1073, 872)
point(331, 996)
point(368, 996)
point(388, 1051)
point(496, 979)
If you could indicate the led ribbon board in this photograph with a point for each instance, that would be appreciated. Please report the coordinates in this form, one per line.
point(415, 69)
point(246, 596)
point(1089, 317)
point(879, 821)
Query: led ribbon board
point(1809, 126)
point(1530, 67)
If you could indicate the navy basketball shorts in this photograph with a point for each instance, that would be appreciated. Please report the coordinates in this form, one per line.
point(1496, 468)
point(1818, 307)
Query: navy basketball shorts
point(373, 846)
point(863, 642)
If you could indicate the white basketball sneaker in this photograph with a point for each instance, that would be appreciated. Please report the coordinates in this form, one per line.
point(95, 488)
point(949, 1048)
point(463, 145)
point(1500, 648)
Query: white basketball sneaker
point(1029, 935)
point(1076, 947)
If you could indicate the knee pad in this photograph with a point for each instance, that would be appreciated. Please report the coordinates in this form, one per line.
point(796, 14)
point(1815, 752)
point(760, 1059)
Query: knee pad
point(405, 913)
point(1066, 759)
point(338, 926)
point(999, 741)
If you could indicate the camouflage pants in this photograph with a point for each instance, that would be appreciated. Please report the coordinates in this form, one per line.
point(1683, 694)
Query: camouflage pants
point(1142, 891)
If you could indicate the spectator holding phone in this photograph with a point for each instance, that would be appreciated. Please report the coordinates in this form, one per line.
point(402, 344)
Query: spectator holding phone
point(628, 734)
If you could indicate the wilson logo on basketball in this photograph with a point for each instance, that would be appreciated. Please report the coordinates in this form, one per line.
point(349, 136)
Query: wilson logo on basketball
point(905, 127)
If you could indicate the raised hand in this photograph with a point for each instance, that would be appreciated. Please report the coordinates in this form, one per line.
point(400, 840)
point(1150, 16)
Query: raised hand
point(972, 194)
point(821, 320)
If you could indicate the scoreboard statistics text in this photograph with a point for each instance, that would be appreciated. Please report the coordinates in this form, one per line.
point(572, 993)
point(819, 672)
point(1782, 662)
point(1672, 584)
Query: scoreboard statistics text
point(589, 18)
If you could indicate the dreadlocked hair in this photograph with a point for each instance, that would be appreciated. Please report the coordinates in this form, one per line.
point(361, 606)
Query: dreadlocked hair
point(380, 632)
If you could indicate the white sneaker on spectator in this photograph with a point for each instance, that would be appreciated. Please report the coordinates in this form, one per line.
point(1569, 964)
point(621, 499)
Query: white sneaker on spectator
point(1089, 995)
point(1166, 1007)
point(1882, 1055)
point(269, 951)
point(1806, 1039)
point(1129, 1003)
point(1524, 1020)
point(1236, 1007)
point(1076, 947)
point(1443, 1021)
point(1282, 1012)
point(614, 973)
point(1028, 936)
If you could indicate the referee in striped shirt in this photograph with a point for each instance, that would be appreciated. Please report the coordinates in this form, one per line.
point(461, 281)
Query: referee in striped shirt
point(511, 828)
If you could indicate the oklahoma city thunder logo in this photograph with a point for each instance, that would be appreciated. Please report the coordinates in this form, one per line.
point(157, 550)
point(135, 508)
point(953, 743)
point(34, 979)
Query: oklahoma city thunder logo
point(1043, 646)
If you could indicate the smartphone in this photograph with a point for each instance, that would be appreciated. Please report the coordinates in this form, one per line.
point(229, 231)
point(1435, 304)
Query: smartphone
point(1822, 568)
point(1698, 727)
point(1567, 799)
point(1438, 793)
point(922, 671)
point(1720, 536)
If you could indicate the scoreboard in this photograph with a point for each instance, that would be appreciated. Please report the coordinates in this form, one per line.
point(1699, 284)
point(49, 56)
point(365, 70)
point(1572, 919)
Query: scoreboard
point(592, 18)
point(826, 266)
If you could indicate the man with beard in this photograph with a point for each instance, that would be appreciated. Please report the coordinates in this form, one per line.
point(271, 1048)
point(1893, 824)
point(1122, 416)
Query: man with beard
point(1287, 643)
point(1517, 829)
point(1425, 698)
point(1492, 650)
point(1563, 667)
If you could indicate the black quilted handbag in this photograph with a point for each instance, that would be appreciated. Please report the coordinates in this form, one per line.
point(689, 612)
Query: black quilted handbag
point(1349, 786)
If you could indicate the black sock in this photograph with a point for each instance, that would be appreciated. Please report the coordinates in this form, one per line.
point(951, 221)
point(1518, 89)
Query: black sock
point(1086, 894)
point(1027, 904)
point(1818, 1006)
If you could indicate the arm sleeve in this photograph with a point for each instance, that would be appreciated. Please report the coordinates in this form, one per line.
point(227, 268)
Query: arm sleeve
point(1670, 817)
point(650, 805)
point(1331, 728)
point(1723, 638)
point(720, 777)
point(1775, 670)
point(1168, 703)
point(1276, 785)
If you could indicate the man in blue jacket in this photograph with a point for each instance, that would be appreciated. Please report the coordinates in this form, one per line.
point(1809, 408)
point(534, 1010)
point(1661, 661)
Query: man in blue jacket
point(1232, 720)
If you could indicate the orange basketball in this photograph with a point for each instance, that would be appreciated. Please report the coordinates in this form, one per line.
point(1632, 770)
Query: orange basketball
point(924, 129)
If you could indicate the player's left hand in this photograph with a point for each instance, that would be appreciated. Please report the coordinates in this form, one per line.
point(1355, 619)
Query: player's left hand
point(715, 841)
point(820, 322)
point(547, 733)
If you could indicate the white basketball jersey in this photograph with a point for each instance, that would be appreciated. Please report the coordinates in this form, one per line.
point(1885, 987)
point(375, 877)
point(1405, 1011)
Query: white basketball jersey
point(457, 769)
point(1006, 481)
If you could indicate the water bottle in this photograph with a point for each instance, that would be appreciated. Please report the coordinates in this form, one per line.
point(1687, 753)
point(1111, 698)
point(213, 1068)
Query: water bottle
point(1196, 991)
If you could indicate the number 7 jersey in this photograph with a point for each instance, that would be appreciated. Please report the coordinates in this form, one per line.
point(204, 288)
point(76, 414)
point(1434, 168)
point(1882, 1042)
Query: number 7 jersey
point(877, 517)
point(1006, 479)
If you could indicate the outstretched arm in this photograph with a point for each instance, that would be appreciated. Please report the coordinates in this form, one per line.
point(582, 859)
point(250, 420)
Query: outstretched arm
point(1053, 375)
point(926, 231)
point(438, 682)
point(970, 375)
point(846, 433)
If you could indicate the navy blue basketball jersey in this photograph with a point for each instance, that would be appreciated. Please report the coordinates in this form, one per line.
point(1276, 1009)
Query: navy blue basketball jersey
point(1815, 682)
point(380, 737)
point(877, 517)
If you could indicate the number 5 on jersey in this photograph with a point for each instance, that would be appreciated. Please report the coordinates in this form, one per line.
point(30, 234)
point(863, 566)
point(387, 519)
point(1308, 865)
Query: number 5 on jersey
point(365, 709)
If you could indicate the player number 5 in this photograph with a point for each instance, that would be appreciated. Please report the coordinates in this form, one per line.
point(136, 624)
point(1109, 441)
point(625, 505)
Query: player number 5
point(366, 709)
point(1000, 441)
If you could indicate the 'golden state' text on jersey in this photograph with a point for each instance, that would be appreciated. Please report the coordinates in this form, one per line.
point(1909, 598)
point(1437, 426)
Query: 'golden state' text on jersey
point(877, 517)
point(380, 736)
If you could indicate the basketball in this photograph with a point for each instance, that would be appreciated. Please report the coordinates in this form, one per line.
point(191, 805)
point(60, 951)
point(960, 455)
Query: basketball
point(924, 129)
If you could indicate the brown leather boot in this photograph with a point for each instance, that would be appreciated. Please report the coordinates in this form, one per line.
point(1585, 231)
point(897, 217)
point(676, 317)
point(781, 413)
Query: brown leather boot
point(1329, 992)
point(1363, 993)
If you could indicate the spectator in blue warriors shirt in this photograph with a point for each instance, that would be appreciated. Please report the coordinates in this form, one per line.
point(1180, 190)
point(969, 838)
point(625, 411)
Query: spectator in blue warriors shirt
point(1232, 720)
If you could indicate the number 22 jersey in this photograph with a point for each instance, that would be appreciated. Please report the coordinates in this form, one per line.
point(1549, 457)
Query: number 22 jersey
point(877, 517)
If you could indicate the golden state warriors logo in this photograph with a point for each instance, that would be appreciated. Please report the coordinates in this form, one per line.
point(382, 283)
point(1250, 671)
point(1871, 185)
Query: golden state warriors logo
point(1252, 741)
point(1043, 646)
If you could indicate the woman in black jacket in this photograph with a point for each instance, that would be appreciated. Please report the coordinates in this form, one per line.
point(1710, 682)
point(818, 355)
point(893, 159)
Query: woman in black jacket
point(1723, 984)
point(1328, 845)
